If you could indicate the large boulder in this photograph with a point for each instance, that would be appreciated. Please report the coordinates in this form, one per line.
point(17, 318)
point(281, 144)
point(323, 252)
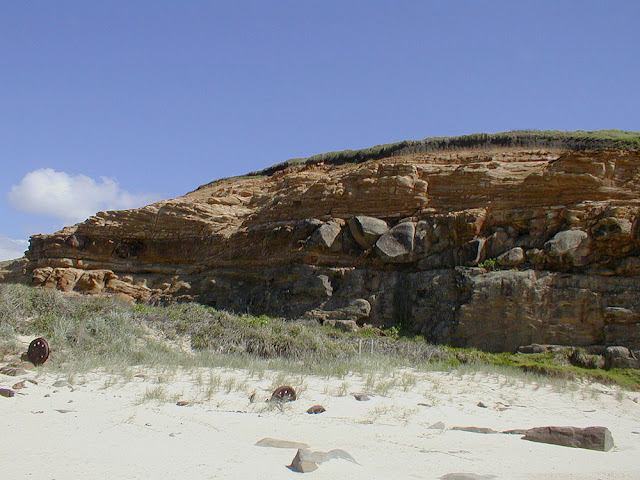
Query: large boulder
point(620, 357)
point(571, 245)
point(396, 245)
point(367, 230)
point(511, 258)
point(327, 236)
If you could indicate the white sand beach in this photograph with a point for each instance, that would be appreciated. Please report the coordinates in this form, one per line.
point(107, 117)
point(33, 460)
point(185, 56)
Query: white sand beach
point(130, 426)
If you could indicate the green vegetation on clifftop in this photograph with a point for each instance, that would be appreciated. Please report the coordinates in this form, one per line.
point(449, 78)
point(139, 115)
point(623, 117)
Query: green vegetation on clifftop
point(576, 140)
point(556, 139)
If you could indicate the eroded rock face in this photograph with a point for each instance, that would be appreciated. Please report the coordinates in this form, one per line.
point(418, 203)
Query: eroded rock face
point(403, 234)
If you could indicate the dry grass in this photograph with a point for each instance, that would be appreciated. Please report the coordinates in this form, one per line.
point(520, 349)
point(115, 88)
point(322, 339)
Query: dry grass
point(89, 333)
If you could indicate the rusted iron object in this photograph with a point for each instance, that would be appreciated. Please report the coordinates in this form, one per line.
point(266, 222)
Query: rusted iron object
point(284, 394)
point(316, 409)
point(38, 351)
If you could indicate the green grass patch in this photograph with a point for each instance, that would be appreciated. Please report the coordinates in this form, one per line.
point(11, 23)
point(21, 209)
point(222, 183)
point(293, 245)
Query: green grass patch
point(95, 332)
point(549, 364)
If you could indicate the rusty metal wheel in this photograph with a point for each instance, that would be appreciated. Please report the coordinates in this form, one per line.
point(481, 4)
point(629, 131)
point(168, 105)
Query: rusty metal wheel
point(38, 351)
point(284, 394)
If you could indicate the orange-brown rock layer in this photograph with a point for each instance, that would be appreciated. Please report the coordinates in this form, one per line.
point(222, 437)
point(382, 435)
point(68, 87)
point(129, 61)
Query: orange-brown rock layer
point(396, 240)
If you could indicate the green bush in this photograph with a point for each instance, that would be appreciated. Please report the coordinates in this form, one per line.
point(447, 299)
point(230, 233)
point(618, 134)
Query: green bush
point(488, 264)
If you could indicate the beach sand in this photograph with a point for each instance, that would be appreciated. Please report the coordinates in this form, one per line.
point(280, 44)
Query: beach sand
point(130, 426)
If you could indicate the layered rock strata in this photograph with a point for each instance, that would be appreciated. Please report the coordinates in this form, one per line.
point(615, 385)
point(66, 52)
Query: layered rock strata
point(492, 248)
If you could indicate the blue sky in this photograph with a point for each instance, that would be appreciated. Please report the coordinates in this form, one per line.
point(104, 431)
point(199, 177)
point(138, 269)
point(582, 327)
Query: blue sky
point(117, 104)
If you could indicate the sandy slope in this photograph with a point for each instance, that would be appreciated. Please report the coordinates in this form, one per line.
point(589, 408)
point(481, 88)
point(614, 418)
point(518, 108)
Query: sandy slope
point(103, 426)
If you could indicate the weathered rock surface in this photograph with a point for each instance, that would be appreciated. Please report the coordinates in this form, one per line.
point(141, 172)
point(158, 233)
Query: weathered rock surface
point(404, 234)
point(592, 438)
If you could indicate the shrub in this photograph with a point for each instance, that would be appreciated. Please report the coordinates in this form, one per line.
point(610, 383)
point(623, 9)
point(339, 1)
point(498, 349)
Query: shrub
point(488, 264)
point(579, 358)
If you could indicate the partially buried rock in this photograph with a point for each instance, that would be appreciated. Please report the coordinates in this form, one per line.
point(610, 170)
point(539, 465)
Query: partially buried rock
point(6, 392)
point(316, 409)
point(303, 462)
point(592, 438)
point(13, 371)
point(361, 397)
point(437, 426)
point(475, 429)
point(277, 443)
point(307, 461)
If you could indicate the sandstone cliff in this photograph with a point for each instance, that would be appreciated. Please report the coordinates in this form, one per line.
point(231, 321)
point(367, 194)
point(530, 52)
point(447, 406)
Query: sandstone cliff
point(491, 247)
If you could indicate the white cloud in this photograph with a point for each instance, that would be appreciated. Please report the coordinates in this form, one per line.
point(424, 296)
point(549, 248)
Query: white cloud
point(71, 198)
point(10, 249)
